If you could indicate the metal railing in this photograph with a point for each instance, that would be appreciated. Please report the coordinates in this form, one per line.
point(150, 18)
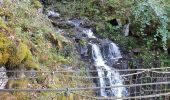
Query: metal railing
point(140, 83)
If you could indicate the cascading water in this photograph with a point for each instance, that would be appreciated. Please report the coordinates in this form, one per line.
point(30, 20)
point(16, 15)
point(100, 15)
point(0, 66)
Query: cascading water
point(111, 77)
point(89, 33)
point(107, 75)
point(114, 52)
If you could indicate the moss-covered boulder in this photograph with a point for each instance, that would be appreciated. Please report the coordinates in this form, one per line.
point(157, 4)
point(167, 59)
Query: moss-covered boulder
point(22, 55)
point(4, 49)
point(37, 4)
point(12, 51)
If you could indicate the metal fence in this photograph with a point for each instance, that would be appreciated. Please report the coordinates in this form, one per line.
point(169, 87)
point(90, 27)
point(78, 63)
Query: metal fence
point(141, 84)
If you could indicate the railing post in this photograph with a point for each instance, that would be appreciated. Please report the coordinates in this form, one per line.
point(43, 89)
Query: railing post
point(67, 93)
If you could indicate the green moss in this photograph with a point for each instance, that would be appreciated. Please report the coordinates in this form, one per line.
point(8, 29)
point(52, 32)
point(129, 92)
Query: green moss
point(4, 48)
point(5, 12)
point(3, 25)
point(4, 41)
point(4, 28)
point(23, 55)
point(19, 84)
point(19, 55)
point(3, 58)
point(13, 54)
point(37, 4)
point(83, 42)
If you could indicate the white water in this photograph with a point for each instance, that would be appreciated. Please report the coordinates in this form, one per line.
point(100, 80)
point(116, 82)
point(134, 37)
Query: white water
point(107, 75)
point(113, 76)
point(89, 33)
point(114, 52)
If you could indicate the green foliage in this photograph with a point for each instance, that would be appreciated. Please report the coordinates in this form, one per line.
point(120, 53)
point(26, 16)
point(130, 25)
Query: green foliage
point(33, 43)
point(107, 30)
point(150, 13)
point(83, 42)
point(37, 4)
point(36, 31)
point(164, 59)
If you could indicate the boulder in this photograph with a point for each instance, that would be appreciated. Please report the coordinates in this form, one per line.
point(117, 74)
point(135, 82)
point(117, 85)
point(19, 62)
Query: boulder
point(3, 77)
point(53, 14)
point(126, 30)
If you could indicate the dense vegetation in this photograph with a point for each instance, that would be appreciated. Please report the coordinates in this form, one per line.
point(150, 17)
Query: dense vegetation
point(28, 40)
point(148, 19)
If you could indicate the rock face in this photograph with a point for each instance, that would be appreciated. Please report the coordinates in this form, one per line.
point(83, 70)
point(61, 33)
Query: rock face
point(92, 51)
point(3, 78)
point(126, 30)
point(53, 14)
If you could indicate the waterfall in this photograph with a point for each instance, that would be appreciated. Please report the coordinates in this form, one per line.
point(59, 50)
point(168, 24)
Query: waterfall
point(108, 76)
point(89, 33)
point(114, 52)
point(113, 77)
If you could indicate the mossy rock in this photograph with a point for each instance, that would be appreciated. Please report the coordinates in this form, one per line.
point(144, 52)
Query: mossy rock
point(14, 53)
point(4, 58)
point(3, 25)
point(17, 84)
point(4, 49)
point(6, 12)
point(4, 28)
point(4, 41)
point(37, 4)
point(23, 55)
point(55, 40)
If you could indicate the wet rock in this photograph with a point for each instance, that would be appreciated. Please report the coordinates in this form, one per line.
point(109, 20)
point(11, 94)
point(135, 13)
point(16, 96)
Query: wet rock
point(62, 32)
point(110, 50)
point(95, 40)
point(62, 24)
point(87, 24)
point(53, 14)
point(83, 23)
point(75, 22)
point(83, 51)
point(136, 51)
point(80, 33)
point(77, 39)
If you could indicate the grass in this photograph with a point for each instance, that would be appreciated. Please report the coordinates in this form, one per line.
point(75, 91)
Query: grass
point(34, 44)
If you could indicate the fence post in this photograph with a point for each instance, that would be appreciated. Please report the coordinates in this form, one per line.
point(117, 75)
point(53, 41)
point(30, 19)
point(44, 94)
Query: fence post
point(67, 93)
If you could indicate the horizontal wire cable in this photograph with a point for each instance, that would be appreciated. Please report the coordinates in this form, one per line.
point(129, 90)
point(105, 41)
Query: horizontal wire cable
point(89, 77)
point(115, 98)
point(15, 78)
point(83, 88)
point(93, 88)
point(33, 90)
point(75, 71)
